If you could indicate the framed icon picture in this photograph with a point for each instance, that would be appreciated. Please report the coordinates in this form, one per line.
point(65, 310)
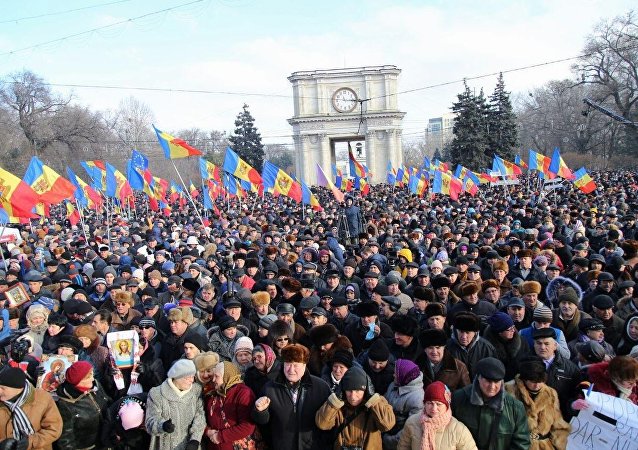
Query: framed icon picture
point(123, 346)
point(54, 371)
point(17, 295)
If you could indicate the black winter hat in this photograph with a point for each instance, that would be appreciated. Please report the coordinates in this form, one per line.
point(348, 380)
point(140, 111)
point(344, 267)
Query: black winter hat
point(379, 351)
point(467, 321)
point(355, 379)
point(323, 334)
point(404, 325)
point(490, 368)
point(12, 377)
point(343, 357)
point(432, 338)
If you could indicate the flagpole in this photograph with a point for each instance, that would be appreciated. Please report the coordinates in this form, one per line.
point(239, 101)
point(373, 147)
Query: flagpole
point(188, 195)
point(4, 261)
point(81, 220)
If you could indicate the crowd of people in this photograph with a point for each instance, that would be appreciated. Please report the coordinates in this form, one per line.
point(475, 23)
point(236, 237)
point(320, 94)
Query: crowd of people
point(433, 324)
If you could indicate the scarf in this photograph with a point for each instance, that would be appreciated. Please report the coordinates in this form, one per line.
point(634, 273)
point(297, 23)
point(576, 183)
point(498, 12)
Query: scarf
point(431, 425)
point(177, 390)
point(21, 424)
point(231, 377)
point(624, 393)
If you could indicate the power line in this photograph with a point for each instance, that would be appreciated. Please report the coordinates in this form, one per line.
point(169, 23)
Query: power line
point(59, 13)
point(104, 27)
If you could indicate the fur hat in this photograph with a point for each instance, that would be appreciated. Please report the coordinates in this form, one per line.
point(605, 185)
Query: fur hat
point(280, 328)
point(206, 360)
point(440, 281)
point(487, 284)
point(469, 288)
point(367, 309)
point(531, 287)
point(404, 325)
point(500, 265)
point(323, 334)
point(435, 309)
point(295, 353)
point(525, 253)
point(260, 298)
point(291, 285)
point(467, 321)
point(123, 297)
point(182, 313)
point(432, 338)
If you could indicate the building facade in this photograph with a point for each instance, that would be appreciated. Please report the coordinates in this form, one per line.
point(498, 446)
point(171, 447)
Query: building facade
point(341, 108)
point(439, 132)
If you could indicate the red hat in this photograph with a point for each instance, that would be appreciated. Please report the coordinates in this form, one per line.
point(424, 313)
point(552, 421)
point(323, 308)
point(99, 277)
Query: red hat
point(437, 392)
point(78, 371)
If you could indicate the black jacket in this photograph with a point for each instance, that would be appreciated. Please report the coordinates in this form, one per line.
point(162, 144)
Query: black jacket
point(564, 376)
point(256, 380)
point(356, 332)
point(82, 416)
point(293, 425)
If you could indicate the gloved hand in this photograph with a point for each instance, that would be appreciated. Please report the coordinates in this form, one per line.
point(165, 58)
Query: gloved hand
point(168, 426)
point(140, 369)
point(39, 371)
point(113, 371)
point(580, 404)
point(192, 445)
point(22, 444)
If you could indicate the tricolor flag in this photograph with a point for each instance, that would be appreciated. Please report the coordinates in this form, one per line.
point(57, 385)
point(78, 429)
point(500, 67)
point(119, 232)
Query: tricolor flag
point(116, 184)
point(16, 197)
point(278, 181)
point(558, 166)
point(505, 167)
point(392, 175)
point(308, 198)
point(583, 181)
point(209, 171)
point(540, 163)
point(323, 180)
point(356, 169)
point(174, 147)
point(97, 172)
point(72, 214)
point(84, 194)
point(239, 168)
point(47, 183)
point(519, 162)
point(446, 184)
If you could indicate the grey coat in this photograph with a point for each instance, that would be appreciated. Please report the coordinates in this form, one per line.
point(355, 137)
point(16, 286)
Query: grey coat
point(405, 401)
point(186, 412)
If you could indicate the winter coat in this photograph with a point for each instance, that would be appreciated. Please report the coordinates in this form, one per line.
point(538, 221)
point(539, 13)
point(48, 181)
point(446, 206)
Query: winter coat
point(455, 436)
point(410, 352)
point(564, 376)
point(44, 416)
point(173, 348)
point(626, 343)
point(380, 380)
point(405, 401)
point(342, 324)
point(82, 416)
point(365, 430)
point(293, 426)
point(599, 376)
point(548, 430)
point(569, 329)
point(221, 345)
point(563, 346)
point(478, 349)
point(236, 408)
point(512, 431)
point(256, 380)
point(453, 373)
point(609, 349)
point(186, 412)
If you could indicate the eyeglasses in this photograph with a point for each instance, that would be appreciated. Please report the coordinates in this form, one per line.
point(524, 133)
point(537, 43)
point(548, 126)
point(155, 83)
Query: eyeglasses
point(284, 339)
point(120, 304)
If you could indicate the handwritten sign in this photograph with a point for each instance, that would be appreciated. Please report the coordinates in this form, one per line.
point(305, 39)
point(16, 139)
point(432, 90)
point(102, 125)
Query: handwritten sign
point(608, 423)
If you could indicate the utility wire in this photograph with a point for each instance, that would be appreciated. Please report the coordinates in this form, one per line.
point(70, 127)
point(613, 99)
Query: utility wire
point(104, 27)
point(59, 13)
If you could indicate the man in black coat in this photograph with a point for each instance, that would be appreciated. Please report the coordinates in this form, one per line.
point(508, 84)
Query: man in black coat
point(290, 401)
point(358, 332)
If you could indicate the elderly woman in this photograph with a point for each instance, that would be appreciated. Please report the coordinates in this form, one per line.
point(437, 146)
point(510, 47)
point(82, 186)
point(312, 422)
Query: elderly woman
point(405, 395)
point(265, 367)
point(228, 410)
point(37, 316)
point(629, 337)
point(434, 428)
point(360, 417)
point(617, 378)
point(174, 410)
point(205, 363)
point(124, 312)
point(547, 428)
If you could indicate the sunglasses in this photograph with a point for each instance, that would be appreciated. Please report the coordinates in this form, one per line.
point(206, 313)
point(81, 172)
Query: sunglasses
point(146, 327)
point(282, 339)
point(120, 304)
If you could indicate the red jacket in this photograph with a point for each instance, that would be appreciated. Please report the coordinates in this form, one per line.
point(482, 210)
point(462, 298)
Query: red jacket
point(599, 376)
point(236, 407)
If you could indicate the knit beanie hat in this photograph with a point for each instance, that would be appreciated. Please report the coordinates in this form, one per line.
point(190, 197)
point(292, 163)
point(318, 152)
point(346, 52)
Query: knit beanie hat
point(437, 392)
point(226, 322)
point(78, 371)
point(500, 321)
point(131, 415)
point(569, 295)
point(543, 314)
point(12, 377)
point(379, 351)
point(406, 371)
point(343, 357)
point(206, 360)
point(197, 340)
point(243, 344)
point(355, 379)
point(182, 368)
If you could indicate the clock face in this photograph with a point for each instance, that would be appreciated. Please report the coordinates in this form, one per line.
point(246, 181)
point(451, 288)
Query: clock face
point(344, 100)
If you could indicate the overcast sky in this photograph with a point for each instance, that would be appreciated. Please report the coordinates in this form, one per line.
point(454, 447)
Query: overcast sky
point(250, 46)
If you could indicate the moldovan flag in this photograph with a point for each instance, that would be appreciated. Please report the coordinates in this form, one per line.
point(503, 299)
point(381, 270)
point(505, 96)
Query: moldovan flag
point(308, 198)
point(97, 171)
point(47, 183)
point(322, 180)
point(540, 163)
point(558, 166)
point(72, 214)
point(175, 148)
point(280, 182)
point(84, 194)
point(356, 169)
point(446, 184)
point(236, 166)
point(209, 171)
point(16, 196)
point(583, 181)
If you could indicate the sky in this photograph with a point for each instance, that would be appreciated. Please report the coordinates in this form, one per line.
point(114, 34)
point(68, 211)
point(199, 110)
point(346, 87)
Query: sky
point(242, 51)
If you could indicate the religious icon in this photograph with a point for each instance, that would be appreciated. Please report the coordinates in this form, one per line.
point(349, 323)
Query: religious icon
point(17, 295)
point(54, 370)
point(123, 346)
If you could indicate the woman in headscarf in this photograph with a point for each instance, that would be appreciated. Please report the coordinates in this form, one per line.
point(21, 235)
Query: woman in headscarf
point(265, 367)
point(37, 316)
point(405, 395)
point(548, 430)
point(205, 364)
point(434, 428)
point(629, 337)
point(228, 419)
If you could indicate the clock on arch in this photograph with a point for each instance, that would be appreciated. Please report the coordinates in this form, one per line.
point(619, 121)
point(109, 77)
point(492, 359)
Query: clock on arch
point(344, 100)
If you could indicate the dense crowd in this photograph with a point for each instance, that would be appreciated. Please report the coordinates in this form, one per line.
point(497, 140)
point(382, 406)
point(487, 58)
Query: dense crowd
point(388, 322)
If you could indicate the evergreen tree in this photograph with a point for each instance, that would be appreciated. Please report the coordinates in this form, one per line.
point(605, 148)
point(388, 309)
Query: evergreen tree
point(503, 133)
point(437, 155)
point(469, 146)
point(246, 140)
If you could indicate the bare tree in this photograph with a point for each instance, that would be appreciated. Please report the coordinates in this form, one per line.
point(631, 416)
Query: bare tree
point(413, 152)
point(610, 64)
